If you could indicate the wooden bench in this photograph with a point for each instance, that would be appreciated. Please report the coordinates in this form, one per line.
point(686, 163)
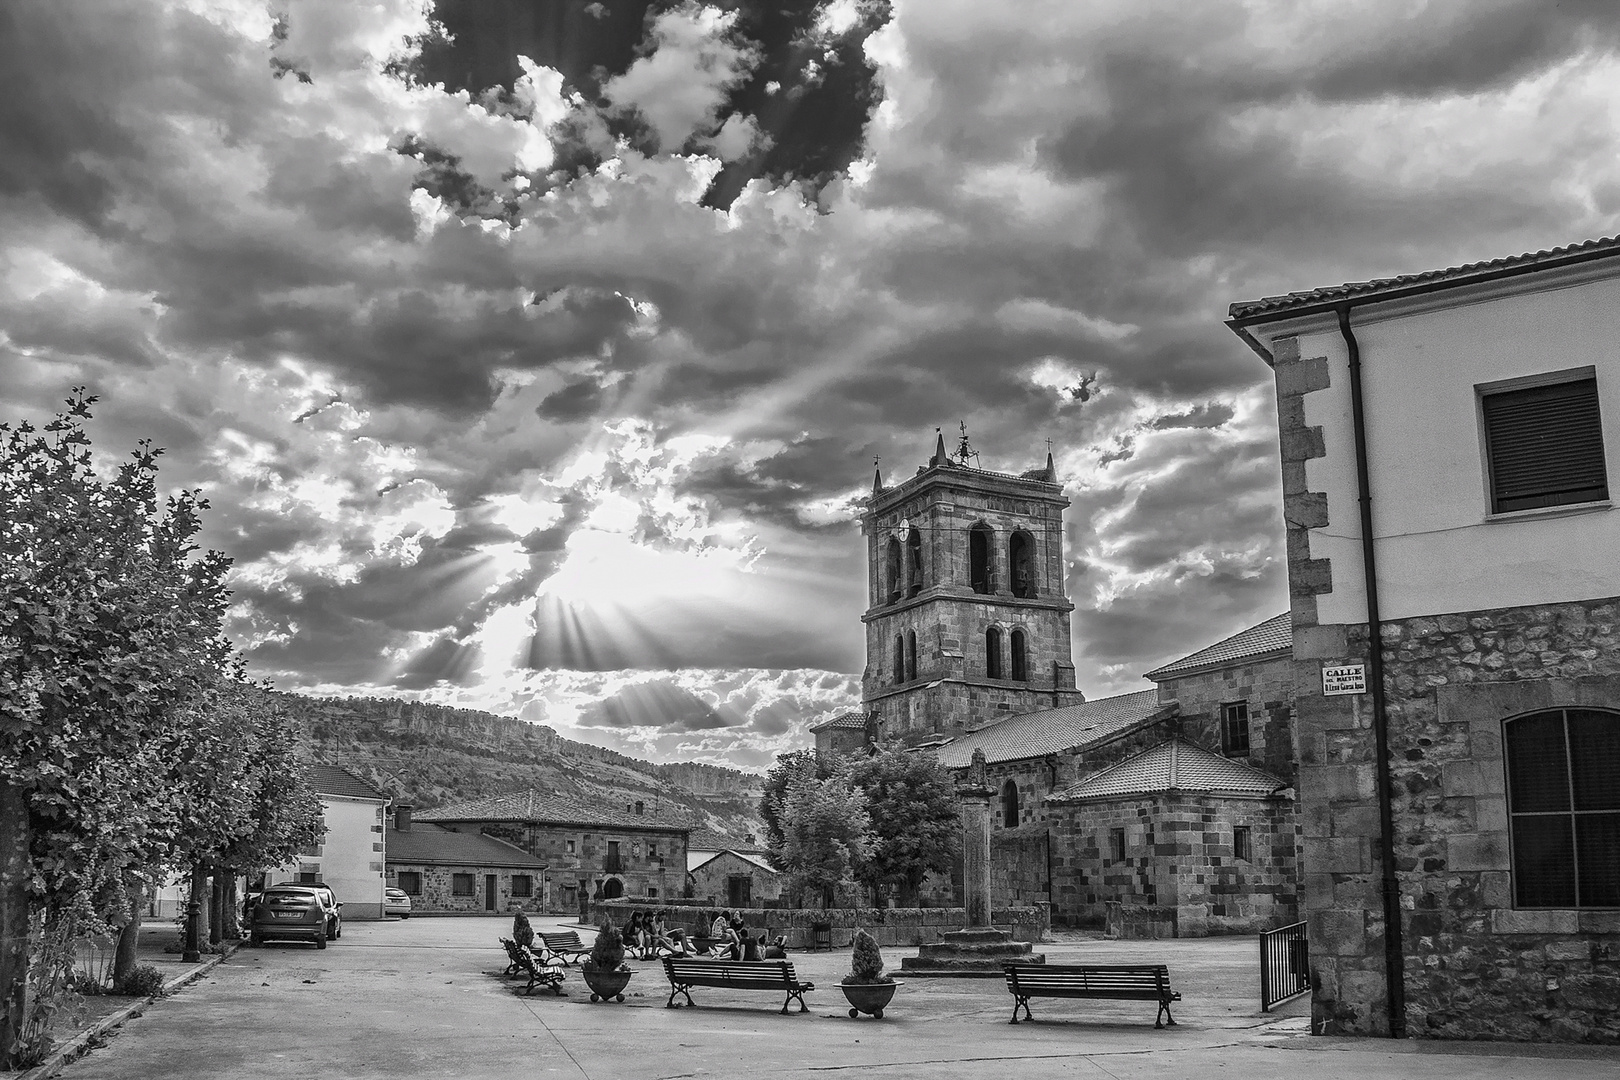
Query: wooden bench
point(735, 975)
point(524, 962)
point(565, 945)
point(1118, 982)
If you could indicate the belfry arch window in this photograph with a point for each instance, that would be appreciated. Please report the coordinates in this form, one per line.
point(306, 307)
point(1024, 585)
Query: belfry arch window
point(1009, 804)
point(1563, 769)
point(1021, 564)
point(1020, 659)
point(891, 568)
point(914, 562)
point(911, 654)
point(899, 658)
point(992, 653)
point(980, 545)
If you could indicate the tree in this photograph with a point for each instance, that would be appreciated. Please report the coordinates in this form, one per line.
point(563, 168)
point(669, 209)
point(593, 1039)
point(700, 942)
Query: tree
point(826, 834)
point(110, 620)
point(911, 801)
point(789, 767)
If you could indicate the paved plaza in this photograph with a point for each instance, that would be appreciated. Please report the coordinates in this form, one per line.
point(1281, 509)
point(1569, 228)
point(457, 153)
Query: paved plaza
point(423, 998)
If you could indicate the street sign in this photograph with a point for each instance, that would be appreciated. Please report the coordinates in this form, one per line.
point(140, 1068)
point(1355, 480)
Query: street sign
point(1346, 679)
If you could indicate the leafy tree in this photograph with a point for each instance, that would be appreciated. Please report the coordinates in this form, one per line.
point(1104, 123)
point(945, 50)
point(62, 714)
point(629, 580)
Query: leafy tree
point(916, 829)
point(110, 619)
point(789, 767)
point(826, 834)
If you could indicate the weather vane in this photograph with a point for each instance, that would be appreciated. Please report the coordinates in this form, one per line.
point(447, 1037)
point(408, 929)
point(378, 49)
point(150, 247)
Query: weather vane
point(964, 449)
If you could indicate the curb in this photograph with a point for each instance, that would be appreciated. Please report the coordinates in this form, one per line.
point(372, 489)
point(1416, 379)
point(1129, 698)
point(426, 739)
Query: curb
point(80, 1043)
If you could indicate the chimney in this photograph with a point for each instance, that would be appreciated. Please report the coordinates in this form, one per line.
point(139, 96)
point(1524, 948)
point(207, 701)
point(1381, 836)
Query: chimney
point(402, 817)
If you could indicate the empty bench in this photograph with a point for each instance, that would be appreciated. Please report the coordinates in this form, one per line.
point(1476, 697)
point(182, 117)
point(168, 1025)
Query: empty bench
point(565, 945)
point(523, 962)
point(1116, 982)
point(735, 975)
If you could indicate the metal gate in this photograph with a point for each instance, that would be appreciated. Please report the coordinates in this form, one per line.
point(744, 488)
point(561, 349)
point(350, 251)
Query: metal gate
point(1285, 965)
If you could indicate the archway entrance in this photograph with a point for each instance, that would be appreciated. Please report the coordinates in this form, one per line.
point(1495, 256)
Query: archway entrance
point(612, 889)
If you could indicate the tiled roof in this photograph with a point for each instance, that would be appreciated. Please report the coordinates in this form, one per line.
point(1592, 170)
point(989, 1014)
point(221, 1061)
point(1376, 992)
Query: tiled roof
point(1274, 635)
point(1176, 765)
point(705, 840)
point(1450, 277)
point(695, 859)
point(1050, 731)
point(333, 780)
point(851, 720)
point(434, 845)
point(553, 809)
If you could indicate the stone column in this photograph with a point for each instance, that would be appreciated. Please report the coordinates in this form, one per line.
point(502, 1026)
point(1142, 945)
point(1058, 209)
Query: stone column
point(974, 795)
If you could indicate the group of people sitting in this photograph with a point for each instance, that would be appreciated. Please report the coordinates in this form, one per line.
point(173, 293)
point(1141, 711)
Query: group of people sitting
point(729, 939)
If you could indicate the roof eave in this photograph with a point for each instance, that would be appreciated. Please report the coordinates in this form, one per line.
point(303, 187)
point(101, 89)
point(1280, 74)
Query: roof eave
point(1163, 674)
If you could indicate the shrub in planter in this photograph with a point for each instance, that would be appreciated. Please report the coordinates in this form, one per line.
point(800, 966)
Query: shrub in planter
point(866, 986)
point(604, 970)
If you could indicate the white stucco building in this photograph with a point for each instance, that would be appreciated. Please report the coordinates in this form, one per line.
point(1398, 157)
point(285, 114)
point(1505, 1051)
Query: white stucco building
point(351, 858)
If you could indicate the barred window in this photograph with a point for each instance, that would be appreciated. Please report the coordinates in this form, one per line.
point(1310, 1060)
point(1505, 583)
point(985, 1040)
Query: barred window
point(1563, 769)
point(522, 885)
point(462, 885)
point(410, 882)
point(1544, 445)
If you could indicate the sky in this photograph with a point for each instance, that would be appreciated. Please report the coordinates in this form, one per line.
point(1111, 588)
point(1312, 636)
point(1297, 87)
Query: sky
point(537, 361)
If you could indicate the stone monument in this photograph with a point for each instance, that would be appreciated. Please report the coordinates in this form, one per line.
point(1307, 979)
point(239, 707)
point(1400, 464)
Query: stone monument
point(979, 949)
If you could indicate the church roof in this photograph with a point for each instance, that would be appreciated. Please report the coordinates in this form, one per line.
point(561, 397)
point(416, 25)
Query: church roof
point(1052, 731)
point(1275, 635)
point(855, 721)
point(541, 807)
point(1176, 765)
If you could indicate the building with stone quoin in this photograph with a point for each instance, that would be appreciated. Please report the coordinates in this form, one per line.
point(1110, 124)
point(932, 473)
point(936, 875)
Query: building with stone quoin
point(1446, 437)
point(968, 650)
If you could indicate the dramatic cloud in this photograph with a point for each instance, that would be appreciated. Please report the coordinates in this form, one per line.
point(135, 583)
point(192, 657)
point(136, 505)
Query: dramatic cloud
point(539, 364)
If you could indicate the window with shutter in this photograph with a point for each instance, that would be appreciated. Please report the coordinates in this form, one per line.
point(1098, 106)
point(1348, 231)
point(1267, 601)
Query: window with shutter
point(1544, 446)
point(1564, 805)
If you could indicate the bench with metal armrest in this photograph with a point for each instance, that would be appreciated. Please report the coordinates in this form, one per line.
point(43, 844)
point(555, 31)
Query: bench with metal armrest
point(735, 975)
point(1115, 982)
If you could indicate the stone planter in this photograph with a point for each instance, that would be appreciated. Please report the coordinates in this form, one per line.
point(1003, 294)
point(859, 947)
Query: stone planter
point(606, 985)
point(869, 998)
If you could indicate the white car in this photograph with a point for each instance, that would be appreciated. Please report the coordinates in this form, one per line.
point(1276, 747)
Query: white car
point(395, 902)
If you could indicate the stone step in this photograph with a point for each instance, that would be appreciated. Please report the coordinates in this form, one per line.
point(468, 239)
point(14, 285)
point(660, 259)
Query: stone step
point(977, 933)
point(961, 967)
point(988, 950)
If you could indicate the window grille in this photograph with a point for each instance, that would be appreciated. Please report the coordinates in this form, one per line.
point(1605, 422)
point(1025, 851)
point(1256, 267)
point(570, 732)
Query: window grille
point(1235, 729)
point(522, 885)
point(410, 882)
point(1544, 446)
point(462, 885)
point(1564, 805)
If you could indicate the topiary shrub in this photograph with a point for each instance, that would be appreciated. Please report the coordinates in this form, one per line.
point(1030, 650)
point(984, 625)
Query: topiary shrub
point(144, 981)
point(608, 952)
point(867, 965)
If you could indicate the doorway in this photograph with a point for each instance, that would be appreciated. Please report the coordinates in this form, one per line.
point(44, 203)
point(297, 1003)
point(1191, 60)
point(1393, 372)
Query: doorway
point(489, 892)
point(739, 891)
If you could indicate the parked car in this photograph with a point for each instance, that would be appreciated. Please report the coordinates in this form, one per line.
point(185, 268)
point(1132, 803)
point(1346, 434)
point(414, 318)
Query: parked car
point(334, 908)
point(291, 913)
point(396, 902)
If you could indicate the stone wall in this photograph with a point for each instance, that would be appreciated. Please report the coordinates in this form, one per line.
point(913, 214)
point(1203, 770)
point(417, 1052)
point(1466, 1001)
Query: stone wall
point(438, 895)
point(711, 880)
point(651, 858)
point(1018, 866)
point(1178, 858)
point(1267, 686)
point(891, 926)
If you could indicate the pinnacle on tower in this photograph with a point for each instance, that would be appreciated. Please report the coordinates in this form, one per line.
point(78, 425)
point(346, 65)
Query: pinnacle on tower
point(877, 477)
point(940, 457)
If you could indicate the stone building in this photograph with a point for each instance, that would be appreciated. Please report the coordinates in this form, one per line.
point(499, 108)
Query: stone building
point(444, 871)
point(1445, 437)
point(968, 619)
point(732, 879)
point(592, 852)
point(847, 733)
point(1236, 697)
point(1175, 841)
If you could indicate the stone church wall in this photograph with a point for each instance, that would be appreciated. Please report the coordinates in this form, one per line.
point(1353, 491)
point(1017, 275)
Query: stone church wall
point(1267, 687)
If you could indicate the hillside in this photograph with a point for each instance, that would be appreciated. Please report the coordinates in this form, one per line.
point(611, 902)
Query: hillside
point(429, 755)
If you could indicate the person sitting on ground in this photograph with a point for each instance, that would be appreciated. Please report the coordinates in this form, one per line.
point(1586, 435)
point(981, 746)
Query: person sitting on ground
point(522, 931)
point(777, 949)
point(664, 938)
point(724, 944)
point(635, 934)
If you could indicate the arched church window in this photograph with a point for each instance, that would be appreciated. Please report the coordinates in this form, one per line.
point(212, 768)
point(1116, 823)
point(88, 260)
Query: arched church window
point(992, 653)
point(899, 658)
point(892, 572)
point(1020, 661)
point(911, 653)
point(1563, 770)
point(979, 549)
point(1021, 564)
point(1009, 804)
point(914, 562)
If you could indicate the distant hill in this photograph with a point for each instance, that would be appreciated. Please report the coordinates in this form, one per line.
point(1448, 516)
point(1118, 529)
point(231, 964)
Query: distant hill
point(429, 755)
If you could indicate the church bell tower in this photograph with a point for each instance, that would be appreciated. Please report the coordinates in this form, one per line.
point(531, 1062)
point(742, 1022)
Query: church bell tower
point(967, 621)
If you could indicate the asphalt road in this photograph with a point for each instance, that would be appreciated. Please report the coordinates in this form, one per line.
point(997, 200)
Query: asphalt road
point(424, 998)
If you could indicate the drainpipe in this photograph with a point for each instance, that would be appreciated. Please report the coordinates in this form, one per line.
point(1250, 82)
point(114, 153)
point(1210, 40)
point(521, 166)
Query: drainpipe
point(1394, 970)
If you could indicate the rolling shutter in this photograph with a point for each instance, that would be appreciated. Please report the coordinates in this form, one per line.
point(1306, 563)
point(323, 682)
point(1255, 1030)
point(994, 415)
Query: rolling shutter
point(1545, 446)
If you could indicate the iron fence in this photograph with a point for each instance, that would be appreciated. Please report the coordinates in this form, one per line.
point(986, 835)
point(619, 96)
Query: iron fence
point(1285, 965)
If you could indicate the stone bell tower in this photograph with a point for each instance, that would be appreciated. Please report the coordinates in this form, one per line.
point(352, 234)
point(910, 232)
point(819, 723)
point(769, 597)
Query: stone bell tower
point(967, 621)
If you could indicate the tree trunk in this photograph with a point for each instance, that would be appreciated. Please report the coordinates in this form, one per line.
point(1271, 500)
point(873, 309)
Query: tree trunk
point(216, 908)
point(129, 935)
point(15, 864)
point(231, 905)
